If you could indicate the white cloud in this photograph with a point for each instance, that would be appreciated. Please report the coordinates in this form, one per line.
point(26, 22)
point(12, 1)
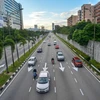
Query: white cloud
point(47, 18)
point(37, 15)
point(54, 14)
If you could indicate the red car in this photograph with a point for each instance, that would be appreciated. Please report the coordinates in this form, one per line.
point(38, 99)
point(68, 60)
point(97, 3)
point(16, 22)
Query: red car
point(77, 62)
point(57, 47)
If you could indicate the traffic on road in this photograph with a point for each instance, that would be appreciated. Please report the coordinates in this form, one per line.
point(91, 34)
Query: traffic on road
point(53, 72)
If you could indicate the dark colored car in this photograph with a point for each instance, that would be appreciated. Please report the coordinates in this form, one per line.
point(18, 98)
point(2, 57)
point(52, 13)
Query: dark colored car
point(57, 47)
point(49, 44)
point(77, 62)
point(39, 50)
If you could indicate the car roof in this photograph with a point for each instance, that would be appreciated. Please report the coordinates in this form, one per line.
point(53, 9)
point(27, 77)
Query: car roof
point(76, 58)
point(59, 52)
point(43, 74)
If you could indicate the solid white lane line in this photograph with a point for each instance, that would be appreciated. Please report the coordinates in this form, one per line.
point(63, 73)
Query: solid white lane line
point(53, 70)
point(30, 89)
point(55, 89)
point(12, 81)
point(81, 92)
point(53, 65)
point(75, 80)
point(38, 65)
point(33, 79)
point(69, 67)
point(92, 75)
point(54, 78)
point(71, 72)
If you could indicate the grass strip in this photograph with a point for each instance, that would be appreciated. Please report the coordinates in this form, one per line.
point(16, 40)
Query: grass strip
point(4, 76)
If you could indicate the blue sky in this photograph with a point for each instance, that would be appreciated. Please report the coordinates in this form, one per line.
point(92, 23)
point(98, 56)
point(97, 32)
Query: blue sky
point(46, 12)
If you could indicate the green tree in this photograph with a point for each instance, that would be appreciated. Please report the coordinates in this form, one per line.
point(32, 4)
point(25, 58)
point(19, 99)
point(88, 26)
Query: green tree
point(23, 42)
point(9, 42)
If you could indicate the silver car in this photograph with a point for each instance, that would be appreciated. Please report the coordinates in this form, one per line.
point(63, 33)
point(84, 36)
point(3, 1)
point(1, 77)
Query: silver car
point(43, 82)
point(60, 56)
point(32, 61)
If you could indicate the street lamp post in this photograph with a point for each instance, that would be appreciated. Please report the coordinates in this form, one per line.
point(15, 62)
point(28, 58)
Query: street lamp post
point(93, 39)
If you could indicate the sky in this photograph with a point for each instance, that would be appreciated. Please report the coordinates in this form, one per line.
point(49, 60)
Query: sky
point(46, 12)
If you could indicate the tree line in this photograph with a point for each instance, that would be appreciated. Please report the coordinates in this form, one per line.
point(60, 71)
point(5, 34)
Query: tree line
point(12, 37)
point(82, 32)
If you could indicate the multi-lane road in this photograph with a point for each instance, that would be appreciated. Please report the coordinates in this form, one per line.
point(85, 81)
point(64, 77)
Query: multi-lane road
point(70, 84)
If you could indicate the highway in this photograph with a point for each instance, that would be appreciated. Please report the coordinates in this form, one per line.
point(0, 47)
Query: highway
point(70, 84)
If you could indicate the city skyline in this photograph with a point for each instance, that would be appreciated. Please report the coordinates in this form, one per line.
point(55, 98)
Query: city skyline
point(46, 12)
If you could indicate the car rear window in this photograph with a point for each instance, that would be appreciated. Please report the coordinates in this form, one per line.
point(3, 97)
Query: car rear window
point(78, 60)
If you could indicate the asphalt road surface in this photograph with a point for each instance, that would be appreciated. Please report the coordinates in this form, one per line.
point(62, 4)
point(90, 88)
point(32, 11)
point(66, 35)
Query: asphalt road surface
point(70, 84)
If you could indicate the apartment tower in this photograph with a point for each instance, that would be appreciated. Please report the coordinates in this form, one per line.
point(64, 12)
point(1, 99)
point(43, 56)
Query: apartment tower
point(11, 12)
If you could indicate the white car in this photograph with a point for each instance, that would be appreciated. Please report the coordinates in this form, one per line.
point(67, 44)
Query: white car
point(32, 61)
point(60, 56)
point(43, 82)
point(44, 41)
point(55, 42)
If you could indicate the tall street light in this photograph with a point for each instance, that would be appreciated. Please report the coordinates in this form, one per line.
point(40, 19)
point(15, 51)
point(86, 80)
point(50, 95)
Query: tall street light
point(93, 39)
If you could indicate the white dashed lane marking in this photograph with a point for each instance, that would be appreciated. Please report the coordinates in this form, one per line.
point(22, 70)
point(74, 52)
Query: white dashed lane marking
point(69, 67)
point(54, 78)
point(81, 92)
point(71, 72)
point(55, 89)
point(30, 89)
point(53, 70)
point(75, 80)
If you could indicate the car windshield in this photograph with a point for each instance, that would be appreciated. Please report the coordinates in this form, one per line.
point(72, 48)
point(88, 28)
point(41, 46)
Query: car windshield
point(31, 59)
point(42, 80)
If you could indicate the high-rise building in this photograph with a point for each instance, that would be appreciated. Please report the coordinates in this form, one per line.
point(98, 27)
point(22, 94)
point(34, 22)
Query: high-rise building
point(72, 20)
point(53, 27)
point(87, 12)
point(97, 13)
point(79, 16)
point(11, 12)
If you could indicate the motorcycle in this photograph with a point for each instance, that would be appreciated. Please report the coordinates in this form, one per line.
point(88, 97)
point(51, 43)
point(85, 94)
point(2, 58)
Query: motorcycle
point(52, 60)
point(34, 73)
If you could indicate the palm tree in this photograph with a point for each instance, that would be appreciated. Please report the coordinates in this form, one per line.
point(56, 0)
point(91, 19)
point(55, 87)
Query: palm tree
point(23, 42)
point(28, 38)
point(9, 41)
point(1, 49)
point(16, 38)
